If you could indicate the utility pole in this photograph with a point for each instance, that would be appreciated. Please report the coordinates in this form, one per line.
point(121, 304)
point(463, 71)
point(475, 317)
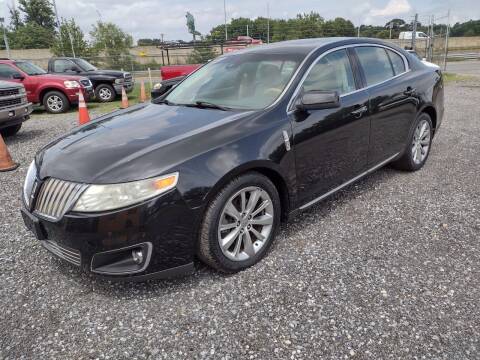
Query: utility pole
point(5, 39)
point(58, 25)
point(358, 32)
point(268, 23)
point(391, 27)
point(71, 43)
point(447, 34)
point(225, 13)
point(414, 31)
point(161, 35)
point(247, 29)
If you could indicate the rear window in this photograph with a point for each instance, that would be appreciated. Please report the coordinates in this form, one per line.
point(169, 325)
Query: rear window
point(397, 62)
point(375, 64)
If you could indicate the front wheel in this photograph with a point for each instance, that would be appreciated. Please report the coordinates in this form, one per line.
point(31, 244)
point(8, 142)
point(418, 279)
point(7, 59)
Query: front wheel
point(56, 102)
point(240, 223)
point(105, 93)
point(418, 147)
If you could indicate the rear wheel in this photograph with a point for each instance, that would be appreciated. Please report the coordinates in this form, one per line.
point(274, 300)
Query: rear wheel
point(105, 93)
point(11, 130)
point(419, 145)
point(240, 223)
point(56, 102)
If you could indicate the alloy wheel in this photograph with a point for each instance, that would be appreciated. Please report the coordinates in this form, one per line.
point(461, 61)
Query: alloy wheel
point(246, 223)
point(421, 142)
point(105, 94)
point(55, 103)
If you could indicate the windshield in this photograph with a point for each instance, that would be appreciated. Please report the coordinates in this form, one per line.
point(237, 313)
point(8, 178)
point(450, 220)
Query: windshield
point(85, 65)
point(240, 81)
point(29, 68)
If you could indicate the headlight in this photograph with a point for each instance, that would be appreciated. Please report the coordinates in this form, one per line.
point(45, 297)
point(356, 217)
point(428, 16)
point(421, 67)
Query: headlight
point(157, 86)
point(71, 84)
point(119, 81)
point(22, 90)
point(115, 196)
point(29, 180)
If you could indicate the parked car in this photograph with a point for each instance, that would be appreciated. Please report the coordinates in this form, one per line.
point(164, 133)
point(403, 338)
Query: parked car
point(424, 60)
point(55, 92)
point(172, 71)
point(164, 86)
point(407, 35)
point(14, 108)
point(107, 84)
point(211, 169)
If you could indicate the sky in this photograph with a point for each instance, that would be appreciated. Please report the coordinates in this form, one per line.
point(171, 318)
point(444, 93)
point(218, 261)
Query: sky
point(150, 18)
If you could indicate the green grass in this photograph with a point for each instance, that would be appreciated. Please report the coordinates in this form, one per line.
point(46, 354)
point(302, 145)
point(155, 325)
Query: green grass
point(452, 77)
point(133, 98)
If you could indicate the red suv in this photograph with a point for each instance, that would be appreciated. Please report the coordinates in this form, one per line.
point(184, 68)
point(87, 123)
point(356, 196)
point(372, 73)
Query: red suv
point(55, 92)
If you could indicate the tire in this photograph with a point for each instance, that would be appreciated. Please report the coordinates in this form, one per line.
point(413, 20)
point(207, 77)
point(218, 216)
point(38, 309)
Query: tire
point(55, 102)
point(105, 93)
point(414, 160)
point(11, 130)
point(209, 249)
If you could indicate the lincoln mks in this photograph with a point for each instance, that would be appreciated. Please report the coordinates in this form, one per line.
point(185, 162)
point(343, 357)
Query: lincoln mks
point(209, 170)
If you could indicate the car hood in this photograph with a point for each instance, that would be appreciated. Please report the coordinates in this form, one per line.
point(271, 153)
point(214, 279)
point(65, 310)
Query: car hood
point(140, 142)
point(58, 78)
point(112, 73)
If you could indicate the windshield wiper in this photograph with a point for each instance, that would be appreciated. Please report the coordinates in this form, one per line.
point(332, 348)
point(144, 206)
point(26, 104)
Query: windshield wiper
point(166, 102)
point(206, 104)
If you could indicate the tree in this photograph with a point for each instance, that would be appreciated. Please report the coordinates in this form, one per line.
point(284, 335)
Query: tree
point(201, 54)
point(15, 18)
point(339, 27)
point(113, 42)
point(39, 12)
point(30, 36)
point(70, 34)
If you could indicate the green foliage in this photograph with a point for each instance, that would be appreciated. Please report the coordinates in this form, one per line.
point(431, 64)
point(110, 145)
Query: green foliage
point(39, 12)
point(201, 54)
point(113, 42)
point(469, 28)
point(31, 36)
point(70, 34)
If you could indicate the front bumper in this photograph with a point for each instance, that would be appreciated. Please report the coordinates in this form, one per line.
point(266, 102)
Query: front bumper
point(166, 223)
point(128, 87)
point(72, 94)
point(15, 115)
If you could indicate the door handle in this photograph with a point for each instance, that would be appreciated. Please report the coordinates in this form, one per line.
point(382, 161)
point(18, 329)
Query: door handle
point(359, 112)
point(409, 92)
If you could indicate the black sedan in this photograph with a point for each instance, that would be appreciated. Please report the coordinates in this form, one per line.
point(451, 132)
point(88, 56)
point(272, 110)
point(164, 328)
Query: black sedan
point(211, 169)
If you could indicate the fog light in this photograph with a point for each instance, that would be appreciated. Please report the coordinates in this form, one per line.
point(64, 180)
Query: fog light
point(137, 256)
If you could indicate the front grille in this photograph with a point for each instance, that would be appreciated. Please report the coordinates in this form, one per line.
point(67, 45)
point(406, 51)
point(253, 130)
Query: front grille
point(10, 102)
point(8, 92)
point(56, 197)
point(128, 78)
point(71, 255)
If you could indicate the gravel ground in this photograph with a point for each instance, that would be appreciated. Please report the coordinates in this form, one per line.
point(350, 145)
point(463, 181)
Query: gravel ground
point(387, 268)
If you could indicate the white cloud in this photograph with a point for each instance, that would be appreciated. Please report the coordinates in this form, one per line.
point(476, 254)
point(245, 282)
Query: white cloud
point(393, 8)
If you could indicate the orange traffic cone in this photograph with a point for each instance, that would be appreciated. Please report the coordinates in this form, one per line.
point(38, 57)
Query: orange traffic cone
point(83, 116)
point(143, 96)
point(124, 104)
point(6, 162)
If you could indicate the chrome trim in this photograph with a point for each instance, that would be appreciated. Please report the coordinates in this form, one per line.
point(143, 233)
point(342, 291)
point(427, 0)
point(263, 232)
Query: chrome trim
point(73, 256)
point(297, 89)
point(56, 197)
point(384, 162)
point(149, 246)
point(286, 139)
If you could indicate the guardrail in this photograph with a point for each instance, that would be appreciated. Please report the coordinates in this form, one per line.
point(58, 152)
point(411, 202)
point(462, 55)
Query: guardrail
point(469, 56)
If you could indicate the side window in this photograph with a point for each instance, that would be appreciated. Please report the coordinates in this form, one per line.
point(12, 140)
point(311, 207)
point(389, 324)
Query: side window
point(375, 64)
point(7, 72)
point(62, 66)
point(397, 62)
point(332, 73)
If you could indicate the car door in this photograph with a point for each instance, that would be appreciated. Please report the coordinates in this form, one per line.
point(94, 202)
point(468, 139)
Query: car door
point(393, 100)
point(11, 73)
point(331, 145)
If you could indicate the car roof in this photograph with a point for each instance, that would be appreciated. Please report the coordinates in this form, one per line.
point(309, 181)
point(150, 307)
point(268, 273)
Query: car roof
point(305, 46)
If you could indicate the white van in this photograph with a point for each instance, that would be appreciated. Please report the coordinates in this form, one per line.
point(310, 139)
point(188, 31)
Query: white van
point(407, 35)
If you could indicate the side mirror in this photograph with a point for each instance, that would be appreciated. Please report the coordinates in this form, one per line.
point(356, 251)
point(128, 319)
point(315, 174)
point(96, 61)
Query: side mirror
point(318, 99)
point(18, 76)
point(75, 69)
